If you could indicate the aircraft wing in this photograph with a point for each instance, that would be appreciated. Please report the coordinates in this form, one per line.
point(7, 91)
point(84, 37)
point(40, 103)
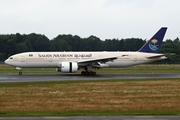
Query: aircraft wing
point(95, 60)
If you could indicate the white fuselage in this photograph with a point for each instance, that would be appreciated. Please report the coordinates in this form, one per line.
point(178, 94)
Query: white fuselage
point(52, 59)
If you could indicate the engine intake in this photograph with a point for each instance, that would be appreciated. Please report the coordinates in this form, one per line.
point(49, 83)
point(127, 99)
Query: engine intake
point(67, 67)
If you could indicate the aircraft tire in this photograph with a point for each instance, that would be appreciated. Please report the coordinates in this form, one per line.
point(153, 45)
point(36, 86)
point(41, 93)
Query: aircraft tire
point(20, 73)
point(82, 73)
point(88, 73)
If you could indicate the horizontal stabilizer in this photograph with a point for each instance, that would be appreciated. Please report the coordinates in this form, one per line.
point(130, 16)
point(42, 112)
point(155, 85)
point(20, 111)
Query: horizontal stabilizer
point(156, 56)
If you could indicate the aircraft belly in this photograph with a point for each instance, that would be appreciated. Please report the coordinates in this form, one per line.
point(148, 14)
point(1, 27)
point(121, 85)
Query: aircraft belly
point(36, 64)
point(124, 63)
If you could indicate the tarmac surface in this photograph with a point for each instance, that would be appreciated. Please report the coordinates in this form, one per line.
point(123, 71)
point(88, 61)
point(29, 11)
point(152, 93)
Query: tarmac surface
point(164, 117)
point(60, 77)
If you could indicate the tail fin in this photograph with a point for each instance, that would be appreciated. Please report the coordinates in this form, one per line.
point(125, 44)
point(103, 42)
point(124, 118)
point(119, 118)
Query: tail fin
point(153, 45)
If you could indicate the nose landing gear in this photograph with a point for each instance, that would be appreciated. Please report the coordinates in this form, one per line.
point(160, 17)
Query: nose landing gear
point(20, 72)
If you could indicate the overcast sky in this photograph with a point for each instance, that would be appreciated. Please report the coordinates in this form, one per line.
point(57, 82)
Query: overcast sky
point(106, 19)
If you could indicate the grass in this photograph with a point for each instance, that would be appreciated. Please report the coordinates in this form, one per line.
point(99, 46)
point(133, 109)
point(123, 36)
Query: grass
point(109, 97)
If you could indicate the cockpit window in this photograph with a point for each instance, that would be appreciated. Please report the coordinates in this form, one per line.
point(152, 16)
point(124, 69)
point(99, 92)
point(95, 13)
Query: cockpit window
point(11, 58)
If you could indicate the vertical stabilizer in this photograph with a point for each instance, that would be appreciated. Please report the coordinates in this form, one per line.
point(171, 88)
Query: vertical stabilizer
point(153, 45)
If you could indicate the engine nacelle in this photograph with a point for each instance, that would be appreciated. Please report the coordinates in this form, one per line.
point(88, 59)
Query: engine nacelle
point(67, 67)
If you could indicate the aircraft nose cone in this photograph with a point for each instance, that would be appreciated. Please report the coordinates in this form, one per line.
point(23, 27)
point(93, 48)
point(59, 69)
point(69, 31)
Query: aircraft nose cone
point(6, 61)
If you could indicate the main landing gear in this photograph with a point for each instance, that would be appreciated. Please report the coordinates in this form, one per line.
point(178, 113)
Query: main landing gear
point(88, 73)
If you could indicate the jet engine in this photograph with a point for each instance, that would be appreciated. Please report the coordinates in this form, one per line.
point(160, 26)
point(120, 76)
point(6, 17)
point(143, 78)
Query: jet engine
point(67, 67)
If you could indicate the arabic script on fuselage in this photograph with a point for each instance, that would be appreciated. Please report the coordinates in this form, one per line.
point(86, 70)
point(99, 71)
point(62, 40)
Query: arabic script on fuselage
point(66, 55)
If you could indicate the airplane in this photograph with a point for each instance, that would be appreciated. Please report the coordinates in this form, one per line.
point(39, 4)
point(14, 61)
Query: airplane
point(70, 62)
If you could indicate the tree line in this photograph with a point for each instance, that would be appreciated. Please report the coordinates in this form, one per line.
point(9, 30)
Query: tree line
point(17, 43)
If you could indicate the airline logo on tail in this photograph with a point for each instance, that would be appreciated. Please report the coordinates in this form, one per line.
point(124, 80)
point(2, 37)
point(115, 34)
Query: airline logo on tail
point(153, 45)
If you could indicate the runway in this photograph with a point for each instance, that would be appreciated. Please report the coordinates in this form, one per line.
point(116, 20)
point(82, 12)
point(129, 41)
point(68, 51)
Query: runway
point(60, 77)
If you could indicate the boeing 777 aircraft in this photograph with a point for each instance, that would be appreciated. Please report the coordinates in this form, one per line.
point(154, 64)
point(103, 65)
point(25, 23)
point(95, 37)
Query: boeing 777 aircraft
point(69, 62)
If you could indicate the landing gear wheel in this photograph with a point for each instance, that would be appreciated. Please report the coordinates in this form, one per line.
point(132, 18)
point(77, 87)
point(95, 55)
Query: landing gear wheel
point(88, 73)
point(93, 73)
point(20, 73)
point(82, 73)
